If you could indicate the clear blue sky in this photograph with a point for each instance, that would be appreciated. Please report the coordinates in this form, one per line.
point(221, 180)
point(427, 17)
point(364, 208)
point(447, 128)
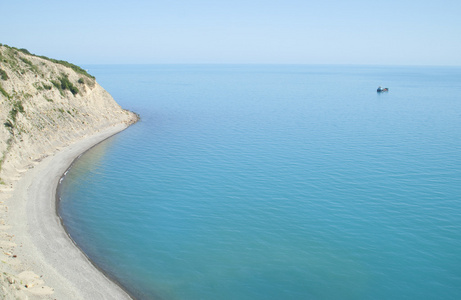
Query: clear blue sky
point(395, 32)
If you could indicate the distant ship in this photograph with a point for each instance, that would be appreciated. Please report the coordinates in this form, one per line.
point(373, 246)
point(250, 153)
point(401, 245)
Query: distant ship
point(380, 89)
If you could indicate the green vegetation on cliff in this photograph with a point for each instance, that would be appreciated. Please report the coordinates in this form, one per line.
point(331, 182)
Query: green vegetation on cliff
point(64, 84)
point(76, 68)
point(17, 107)
point(3, 92)
point(3, 74)
point(21, 63)
point(46, 104)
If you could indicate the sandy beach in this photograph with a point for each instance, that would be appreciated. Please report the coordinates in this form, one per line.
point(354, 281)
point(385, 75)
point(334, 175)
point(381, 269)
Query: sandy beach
point(54, 267)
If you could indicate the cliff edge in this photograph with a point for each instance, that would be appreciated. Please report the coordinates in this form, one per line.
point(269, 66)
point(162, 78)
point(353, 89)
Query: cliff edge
point(45, 106)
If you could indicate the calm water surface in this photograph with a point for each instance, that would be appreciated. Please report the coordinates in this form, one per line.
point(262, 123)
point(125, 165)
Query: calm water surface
point(276, 182)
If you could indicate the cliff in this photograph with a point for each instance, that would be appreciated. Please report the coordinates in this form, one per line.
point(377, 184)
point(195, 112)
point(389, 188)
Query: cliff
point(45, 105)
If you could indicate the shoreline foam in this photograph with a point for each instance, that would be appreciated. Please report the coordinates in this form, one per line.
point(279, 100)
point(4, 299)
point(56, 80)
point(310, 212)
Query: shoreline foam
point(44, 246)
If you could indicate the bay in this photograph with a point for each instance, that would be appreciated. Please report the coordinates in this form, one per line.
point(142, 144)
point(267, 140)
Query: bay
point(275, 182)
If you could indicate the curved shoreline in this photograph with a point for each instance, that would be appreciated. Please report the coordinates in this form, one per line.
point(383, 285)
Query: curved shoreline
point(45, 247)
point(58, 199)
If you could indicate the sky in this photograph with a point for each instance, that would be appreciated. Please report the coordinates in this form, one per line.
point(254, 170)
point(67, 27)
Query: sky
point(369, 32)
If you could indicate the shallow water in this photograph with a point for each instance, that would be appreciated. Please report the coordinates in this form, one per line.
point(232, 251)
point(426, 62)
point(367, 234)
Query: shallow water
point(276, 182)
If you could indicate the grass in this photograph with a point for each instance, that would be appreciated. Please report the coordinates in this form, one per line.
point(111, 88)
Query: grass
point(38, 86)
point(8, 143)
point(30, 64)
point(8, 58)
point(17, 108)
point(10, 123)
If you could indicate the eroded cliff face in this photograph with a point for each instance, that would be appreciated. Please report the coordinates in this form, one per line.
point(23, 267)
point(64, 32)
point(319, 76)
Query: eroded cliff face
point(45, 105)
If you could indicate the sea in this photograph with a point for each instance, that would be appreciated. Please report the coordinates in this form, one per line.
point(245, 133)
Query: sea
point(275, 182)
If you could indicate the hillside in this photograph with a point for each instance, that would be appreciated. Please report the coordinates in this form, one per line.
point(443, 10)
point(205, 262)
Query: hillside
point(45, 106)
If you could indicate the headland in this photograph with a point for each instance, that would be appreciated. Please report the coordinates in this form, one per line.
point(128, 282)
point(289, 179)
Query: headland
point(51, 112)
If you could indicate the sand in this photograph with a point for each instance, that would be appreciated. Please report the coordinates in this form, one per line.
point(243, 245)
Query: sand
point(41, 260)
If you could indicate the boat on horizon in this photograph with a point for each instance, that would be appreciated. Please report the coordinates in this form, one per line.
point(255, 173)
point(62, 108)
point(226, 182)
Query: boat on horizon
point(380, 89)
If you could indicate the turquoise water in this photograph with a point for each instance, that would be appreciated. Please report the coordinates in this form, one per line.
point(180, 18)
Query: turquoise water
point(276, 182)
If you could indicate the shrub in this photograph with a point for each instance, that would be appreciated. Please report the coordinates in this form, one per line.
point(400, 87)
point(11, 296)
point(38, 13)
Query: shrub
point(17, 108)
point(38, 86)
point(3, 92)
point(26, 61)
point(3, 74)
point(64, 84)
point(8, 124)
point(25, 51)
point(57, 85)
point(62, 62)
point(73, 90)
point(77, 69)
